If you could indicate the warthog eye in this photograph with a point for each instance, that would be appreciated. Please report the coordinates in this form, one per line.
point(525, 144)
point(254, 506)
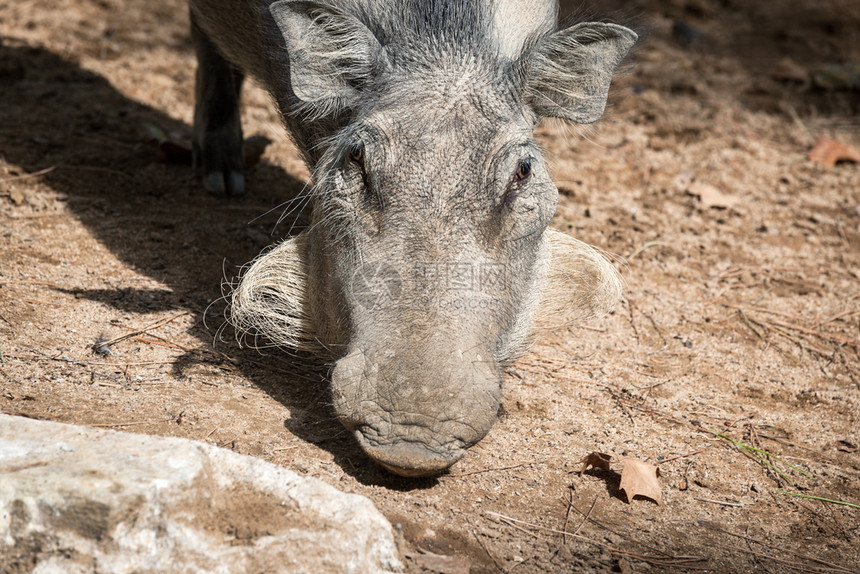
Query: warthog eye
point(356, 153)
point(524, 169)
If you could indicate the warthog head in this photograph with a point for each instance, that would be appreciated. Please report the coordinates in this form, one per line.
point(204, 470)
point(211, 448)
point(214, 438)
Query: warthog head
point(429, 263)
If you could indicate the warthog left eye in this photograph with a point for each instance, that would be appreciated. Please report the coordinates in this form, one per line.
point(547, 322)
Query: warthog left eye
point(524, 170)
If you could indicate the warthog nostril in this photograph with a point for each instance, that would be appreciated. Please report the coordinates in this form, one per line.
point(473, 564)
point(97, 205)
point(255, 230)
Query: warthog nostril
point(407, 458)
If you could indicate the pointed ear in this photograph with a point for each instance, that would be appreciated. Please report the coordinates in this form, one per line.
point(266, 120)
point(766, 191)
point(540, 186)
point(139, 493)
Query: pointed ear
point(567, 74)
point(332, 54)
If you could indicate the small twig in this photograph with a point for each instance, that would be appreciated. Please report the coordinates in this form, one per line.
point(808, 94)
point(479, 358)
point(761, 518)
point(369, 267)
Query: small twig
point(161, 341)
point(787, 563)
point(626, 411)
point(38, 356)
point(651, 559)
point(584, 519)
point(748, 308)
point(836, 317)
point(29, 175)
point(567, 512)
point(459, 474)
point(796, 341)
point(98, 169)
point(695, 452)
point(481, 542)
point(770, 545)
point(791, 326)
point(647, 245)
point(135, 423)
point(155, 324)
point(207, 383)
point(720, 502)
point(749, 323)
point(632, 322)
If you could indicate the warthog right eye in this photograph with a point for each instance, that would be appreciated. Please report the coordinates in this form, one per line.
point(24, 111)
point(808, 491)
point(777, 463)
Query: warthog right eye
point(356, 153)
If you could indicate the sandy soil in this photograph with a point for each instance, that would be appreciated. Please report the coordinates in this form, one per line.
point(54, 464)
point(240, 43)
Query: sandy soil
point(742, 316)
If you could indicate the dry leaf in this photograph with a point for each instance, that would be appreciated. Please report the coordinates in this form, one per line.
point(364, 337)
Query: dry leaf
point(640, 478)
point(710, 196)
point(828, 151)
point(597, 460)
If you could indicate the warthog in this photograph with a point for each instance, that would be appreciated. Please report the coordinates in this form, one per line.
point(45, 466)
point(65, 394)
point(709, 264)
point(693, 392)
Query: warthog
point(429, 263)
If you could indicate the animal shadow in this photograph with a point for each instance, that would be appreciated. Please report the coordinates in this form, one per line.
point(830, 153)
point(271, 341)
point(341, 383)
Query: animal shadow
point(90, 141)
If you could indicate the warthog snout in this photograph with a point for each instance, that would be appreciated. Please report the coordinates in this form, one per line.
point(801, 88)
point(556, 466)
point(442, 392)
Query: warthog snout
point(416, 413)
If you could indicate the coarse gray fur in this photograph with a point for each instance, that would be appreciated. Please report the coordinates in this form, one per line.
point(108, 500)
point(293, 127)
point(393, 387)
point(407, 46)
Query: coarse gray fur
point(429, 263)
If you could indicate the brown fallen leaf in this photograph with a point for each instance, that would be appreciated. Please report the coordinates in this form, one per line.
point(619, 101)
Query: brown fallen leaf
point(597, 460)
point(827, 151)
point(640, 478)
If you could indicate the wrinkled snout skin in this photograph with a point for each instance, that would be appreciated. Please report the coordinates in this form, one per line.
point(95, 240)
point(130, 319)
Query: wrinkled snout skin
point(429, 259)
point(416, 414)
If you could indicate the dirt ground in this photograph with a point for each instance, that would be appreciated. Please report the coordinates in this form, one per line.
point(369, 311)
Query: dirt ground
point(741, 322)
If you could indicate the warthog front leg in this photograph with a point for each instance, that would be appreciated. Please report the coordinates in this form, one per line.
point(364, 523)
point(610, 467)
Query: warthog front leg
point(217, 125)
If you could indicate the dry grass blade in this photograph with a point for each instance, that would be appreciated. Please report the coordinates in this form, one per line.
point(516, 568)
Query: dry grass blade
point(746, 449)
point(831, 501)
point(753, 450)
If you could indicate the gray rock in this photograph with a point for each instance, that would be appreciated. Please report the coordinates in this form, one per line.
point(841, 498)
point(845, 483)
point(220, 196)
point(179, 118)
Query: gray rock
point(77, 499)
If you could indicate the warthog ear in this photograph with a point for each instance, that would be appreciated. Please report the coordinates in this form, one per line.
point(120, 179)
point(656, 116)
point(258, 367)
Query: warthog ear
point(332, 54)
point(581, 283)
point(567, 74)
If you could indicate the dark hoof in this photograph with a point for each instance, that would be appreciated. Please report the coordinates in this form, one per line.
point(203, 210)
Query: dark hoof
point(219, 183)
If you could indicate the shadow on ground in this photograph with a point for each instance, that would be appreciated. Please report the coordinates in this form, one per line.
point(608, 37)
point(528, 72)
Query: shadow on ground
point(157, 219)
